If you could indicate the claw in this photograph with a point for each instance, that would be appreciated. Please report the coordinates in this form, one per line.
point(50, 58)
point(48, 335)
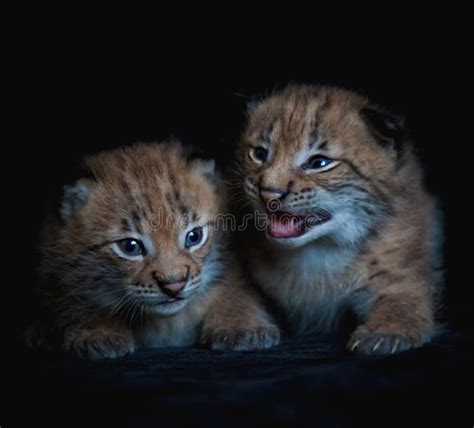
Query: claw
point(395, 346)
point(377, 345)
point(355, 345)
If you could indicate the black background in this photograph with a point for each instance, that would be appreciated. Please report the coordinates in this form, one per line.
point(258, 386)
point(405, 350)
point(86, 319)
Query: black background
point(74, 105)
point(206, 108)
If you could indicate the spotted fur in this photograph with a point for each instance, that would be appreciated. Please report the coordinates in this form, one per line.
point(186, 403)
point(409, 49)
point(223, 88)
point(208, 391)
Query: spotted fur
point(376, 247)
point(106, 303)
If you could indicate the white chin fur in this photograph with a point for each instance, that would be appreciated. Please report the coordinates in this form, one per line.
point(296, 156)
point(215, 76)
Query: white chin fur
point(169, 309)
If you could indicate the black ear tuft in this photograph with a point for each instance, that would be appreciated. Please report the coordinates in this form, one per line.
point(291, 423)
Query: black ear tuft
point(388, 128)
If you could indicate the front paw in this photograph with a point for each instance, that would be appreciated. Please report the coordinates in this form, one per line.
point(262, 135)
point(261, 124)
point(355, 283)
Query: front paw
point(369, 343)
point(242, 339)
point(99, 343)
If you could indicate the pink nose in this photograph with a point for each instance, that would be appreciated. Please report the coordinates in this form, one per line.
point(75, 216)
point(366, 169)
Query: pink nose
point(173, 289)
point(269, 195)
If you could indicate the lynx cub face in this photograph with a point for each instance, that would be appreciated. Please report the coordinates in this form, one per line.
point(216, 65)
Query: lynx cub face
point(140, 233)
point(312, 160)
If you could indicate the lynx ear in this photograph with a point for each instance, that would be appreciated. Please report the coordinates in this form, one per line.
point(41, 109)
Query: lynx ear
point(389, 129)
point(74, 197)
point(203, 164)
point(206, 167)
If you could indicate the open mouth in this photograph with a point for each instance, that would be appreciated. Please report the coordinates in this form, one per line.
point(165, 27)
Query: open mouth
point(285, 225)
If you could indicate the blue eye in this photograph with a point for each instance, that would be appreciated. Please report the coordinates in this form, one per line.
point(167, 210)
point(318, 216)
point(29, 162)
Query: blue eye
point(131, 247)
point(194, 237)
point(318, 162)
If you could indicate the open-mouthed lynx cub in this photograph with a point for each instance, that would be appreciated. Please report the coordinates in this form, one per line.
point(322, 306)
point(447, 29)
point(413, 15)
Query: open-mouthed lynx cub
point(135, 258)
point(349, 223)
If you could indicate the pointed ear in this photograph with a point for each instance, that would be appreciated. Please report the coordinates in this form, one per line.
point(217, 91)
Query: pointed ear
point(389, 129)
point(203, 164)
point(74, 198)
point(206, 167)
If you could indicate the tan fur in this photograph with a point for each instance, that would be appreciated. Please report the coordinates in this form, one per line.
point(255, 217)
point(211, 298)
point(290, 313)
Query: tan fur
point(377, 253)
point(106, 304)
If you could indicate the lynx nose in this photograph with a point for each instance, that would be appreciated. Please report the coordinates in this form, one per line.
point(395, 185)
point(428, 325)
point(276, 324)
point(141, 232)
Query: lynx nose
point(268, 195)
point(172, 289)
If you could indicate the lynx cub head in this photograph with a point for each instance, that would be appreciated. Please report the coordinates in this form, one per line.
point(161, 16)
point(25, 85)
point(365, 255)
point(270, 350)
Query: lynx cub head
point(320, 163)
point(138, 234)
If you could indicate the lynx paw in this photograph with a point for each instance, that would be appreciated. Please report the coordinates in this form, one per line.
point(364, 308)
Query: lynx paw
point(369, 343)
point(97, 344)
point(242, 340)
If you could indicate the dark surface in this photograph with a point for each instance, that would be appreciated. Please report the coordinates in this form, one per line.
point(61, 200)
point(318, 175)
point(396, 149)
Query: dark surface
point(305, 381)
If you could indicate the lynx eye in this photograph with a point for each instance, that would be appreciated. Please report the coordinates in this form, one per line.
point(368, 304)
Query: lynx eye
point(194, 237)
point(318, 162)
point(259, 154)
point(131, 247)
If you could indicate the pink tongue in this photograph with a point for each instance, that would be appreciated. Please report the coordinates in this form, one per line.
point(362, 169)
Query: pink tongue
point(285, 227)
